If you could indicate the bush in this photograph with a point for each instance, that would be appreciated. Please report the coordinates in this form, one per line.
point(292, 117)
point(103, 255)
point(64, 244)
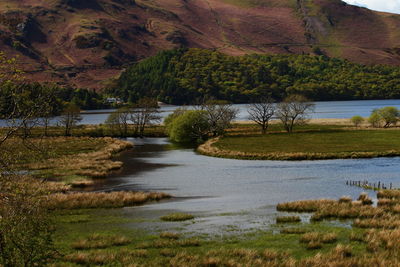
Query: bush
point(357, 120)
point(386, 116)
point(189, 126)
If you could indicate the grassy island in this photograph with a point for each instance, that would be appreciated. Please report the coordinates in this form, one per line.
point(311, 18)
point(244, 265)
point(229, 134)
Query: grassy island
point(307, 143)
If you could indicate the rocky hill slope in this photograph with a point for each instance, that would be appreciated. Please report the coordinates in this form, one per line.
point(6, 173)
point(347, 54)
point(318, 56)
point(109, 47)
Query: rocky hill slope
point(84, 43)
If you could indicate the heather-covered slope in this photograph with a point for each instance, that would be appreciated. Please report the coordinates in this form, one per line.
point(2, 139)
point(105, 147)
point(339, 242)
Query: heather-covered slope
point(85, 42)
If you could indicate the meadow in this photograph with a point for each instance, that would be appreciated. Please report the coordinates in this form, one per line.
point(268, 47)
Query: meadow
point(306, 143)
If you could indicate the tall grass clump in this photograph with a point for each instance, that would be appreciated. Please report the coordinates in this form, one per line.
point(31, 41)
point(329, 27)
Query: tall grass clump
point(176, 217)
point(102, 199)
point(96, 241)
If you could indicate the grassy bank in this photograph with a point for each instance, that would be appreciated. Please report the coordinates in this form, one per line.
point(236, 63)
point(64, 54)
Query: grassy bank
point(75, 161)
point(311, 143)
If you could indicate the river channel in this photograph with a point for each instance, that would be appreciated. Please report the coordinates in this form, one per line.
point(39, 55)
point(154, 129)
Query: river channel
point(229, 195)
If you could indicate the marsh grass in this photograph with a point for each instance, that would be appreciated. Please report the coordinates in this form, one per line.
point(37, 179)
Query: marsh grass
point(102, 199)
point(78, 165)
point(176, 217)
point(169, 235)
point(97, 241)
point(288, 219)
point(296, 231)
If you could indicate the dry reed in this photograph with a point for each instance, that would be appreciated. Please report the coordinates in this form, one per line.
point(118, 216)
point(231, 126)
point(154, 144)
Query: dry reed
point(102, 200)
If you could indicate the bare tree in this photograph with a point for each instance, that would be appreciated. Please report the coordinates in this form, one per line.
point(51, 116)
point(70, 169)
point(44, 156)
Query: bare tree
point(144, 113)
point(118, 121)
point(219, 116)
point(262, 112)
point(293, 111)
point(70, 117)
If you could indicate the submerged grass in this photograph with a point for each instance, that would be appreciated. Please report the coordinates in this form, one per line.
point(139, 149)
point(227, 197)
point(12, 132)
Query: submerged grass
point(176, 217)
point(288, 219)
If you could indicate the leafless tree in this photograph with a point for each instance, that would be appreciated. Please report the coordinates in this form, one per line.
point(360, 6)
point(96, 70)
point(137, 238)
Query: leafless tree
point(293, 111)
point(70, 117)
point(262, 112)
point(219, 116)
point(118, 121)
point(144, 113)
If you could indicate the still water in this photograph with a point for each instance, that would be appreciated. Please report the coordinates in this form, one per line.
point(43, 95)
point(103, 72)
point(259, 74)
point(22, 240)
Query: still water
point(234, 194)
point(325, 110)
point(331, 109)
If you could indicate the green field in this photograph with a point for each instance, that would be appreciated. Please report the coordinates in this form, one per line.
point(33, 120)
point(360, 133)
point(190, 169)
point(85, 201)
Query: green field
point(310, 144)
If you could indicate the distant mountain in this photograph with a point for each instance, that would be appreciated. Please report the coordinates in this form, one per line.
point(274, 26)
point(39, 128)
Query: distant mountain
point(84, 43)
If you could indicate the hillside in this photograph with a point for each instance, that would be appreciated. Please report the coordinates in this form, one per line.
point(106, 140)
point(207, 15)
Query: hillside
point(188, 76)
point(85, 42)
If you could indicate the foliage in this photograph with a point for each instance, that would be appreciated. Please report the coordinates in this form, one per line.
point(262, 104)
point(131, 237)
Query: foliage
point(357, 120)
point(25, 227)
point(191, 125)
point(210, 119)
point(184, 76)
point(385, 116)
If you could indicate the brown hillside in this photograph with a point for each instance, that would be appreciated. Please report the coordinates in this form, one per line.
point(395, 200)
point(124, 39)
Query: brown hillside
point(86, 42)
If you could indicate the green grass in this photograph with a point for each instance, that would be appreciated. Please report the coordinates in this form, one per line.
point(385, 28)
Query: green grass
point(313, 143)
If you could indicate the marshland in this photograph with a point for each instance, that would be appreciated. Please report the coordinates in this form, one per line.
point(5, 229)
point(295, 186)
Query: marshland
point(149, 201)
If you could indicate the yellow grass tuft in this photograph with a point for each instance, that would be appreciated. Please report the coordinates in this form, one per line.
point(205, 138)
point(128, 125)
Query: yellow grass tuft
point(102, 200)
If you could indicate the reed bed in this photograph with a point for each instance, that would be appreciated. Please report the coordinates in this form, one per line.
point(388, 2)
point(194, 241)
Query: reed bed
point(93, 164)
point(169, 235)
point(102, 199)
point(124, 257)
point(96, 241)
point(304, 205)
point(296, 231)
point(177, 217)
point(389, 194)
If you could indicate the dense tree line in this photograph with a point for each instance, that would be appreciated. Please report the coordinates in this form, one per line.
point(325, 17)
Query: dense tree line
point(57, 98)
point(186, 76)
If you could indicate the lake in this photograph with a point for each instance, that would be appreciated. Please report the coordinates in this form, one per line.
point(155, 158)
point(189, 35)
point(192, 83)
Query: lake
point(323, 110)
point(233, 194)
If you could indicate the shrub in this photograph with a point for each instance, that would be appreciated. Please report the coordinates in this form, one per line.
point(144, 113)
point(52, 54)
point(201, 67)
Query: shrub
point(386, 116)
point(357, 120)
point(189, 126)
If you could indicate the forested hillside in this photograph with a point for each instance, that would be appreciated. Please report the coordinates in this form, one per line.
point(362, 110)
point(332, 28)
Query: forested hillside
point(188, 75)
